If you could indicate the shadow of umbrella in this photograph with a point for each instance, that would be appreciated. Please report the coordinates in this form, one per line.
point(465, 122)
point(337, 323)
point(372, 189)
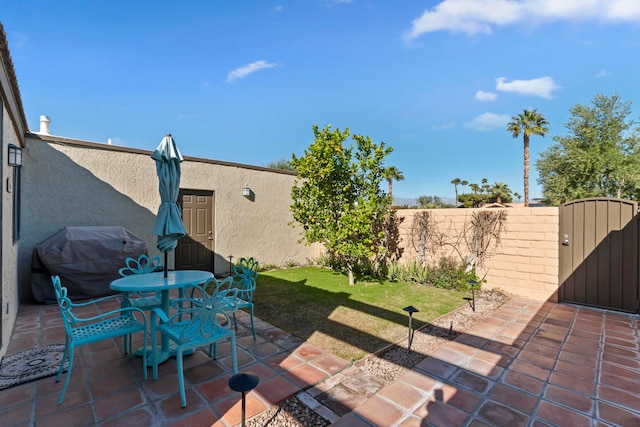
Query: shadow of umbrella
point(168, 226)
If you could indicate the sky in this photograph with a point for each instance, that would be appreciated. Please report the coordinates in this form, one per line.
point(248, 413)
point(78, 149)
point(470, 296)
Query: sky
point(245, 81)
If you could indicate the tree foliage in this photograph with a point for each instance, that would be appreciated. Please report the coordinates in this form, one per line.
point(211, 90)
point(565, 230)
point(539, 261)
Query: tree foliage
point(282, 164)
point(599, 156)
point(337, 197)
point(480, 195)
point(432, 202)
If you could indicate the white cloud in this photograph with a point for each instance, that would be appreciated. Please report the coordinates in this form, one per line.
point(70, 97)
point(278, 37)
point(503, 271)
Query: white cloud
point(482, 16)
point(278, 8)
point(603, 73)
point(486, 96)
point(444, 126)
point(244, 71)
point(488, 121)
point(542, 87)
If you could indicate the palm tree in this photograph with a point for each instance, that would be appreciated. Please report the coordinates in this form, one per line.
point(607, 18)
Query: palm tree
point(390, 174)
point(501, 191)
point(464, 183)
point(456, 182)
point(530, 122)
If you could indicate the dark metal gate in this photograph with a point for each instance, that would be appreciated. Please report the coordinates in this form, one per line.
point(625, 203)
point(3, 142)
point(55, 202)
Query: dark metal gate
point(599, 254)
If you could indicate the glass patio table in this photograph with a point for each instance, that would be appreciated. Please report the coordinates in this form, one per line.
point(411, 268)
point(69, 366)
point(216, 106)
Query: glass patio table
point(157, 282)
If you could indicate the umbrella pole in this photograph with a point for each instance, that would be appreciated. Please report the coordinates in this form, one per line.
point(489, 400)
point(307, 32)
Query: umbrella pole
point(166, 267)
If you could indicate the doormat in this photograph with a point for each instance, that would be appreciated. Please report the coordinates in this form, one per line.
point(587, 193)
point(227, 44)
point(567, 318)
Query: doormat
point(31, 365)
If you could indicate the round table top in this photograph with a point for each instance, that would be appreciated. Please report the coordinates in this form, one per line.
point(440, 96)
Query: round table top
point(157, 282)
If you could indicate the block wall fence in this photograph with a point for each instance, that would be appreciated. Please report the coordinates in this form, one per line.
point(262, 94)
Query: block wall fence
point(524, 263)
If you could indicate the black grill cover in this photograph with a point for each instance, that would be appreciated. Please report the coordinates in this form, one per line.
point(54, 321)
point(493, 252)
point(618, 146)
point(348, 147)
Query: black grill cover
point(87, 259)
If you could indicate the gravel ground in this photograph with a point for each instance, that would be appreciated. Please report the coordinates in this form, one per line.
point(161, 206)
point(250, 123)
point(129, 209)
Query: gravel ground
point(391, 362)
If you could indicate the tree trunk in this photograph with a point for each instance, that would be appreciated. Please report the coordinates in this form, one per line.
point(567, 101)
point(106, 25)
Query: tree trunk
point(526, 169)
point(391, 190)
point(351, 281)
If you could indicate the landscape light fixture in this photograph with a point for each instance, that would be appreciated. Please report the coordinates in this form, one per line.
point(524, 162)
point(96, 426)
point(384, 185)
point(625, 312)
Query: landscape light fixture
point(410, 309)
point(246, 191)
point(473, 284)
point(15, 156)
point(243, 382)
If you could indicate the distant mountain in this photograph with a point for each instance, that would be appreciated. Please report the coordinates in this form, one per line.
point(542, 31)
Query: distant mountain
point(402, 201)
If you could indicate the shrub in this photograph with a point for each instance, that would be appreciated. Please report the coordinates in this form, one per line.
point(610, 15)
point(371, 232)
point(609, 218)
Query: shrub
point(447, 273)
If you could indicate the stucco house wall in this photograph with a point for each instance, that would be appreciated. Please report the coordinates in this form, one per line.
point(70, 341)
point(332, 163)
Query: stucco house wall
point(10, 292)
point(77, 183)
point(524, 263)
point(13, 125)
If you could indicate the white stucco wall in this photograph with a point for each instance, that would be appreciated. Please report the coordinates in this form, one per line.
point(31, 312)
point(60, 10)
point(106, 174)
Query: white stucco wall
point(75, 183)
point(10, 293)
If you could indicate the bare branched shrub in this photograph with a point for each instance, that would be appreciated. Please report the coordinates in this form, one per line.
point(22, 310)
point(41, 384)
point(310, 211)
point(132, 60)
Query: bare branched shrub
point(483, 233)
point(392, 236)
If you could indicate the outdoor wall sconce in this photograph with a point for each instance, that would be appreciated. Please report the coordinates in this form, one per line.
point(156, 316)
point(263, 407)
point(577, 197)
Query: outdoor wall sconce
point(410, 309)
point(15, 156)
point(246, 191)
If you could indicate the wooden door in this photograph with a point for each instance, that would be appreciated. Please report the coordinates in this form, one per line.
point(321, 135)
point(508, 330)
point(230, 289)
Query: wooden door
point(195, 250)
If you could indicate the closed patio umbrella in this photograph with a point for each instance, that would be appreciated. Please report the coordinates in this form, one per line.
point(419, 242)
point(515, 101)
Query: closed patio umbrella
point(168, 226)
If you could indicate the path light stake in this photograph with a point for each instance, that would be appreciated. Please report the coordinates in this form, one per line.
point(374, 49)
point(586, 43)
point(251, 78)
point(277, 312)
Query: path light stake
point(473, 284)
point(230, 264)
point(410, 309)
point(243, 382)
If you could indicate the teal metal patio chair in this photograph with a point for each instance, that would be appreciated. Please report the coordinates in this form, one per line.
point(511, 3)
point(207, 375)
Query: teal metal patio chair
point(143, 300)
point(142, 265)
point(244, 277)
point(86, 330)
point(198, 319)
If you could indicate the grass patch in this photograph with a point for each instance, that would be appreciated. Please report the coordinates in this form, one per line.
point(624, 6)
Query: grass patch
point(319, 306)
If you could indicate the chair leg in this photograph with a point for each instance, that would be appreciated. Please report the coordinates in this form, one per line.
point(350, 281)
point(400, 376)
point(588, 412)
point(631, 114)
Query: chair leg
point(233, 353)
point(154, 351)
point(253, 328)
point(65, 356)
point(144, 355)
point(213, 351)
point(68, 377)
point(235, 322)
point(183, 394)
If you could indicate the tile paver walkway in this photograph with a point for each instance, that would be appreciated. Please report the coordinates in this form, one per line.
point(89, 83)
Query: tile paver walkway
point(529, 363)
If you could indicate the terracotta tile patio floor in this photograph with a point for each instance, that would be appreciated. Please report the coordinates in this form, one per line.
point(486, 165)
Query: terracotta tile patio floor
point(529, 363)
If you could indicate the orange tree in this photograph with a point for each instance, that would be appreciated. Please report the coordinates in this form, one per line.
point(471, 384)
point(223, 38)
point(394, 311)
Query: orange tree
point(337, 199)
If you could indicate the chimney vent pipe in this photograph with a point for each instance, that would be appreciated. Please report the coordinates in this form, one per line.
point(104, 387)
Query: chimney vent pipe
point(44, 125)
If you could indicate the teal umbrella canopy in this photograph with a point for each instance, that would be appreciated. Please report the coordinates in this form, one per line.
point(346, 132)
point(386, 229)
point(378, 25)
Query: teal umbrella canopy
point(168, 226)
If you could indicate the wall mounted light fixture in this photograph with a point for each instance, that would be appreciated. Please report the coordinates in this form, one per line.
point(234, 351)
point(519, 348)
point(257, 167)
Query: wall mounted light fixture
point(246, 191)
point(15, 155)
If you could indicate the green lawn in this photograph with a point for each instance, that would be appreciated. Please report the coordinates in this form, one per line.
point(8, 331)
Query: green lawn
point(319, 306)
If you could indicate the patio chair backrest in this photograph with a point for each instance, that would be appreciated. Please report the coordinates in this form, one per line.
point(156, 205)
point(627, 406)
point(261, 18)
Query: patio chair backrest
point(203, 312)
point(65, 304)
point(142, 265)
point(244, 276)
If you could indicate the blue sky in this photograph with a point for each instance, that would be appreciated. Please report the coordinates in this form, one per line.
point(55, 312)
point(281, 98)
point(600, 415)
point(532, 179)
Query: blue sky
point(244, 81)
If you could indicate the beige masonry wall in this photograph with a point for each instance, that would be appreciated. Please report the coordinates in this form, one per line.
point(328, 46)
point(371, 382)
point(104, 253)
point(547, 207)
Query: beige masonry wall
point(525, 262)
point(76, 183)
